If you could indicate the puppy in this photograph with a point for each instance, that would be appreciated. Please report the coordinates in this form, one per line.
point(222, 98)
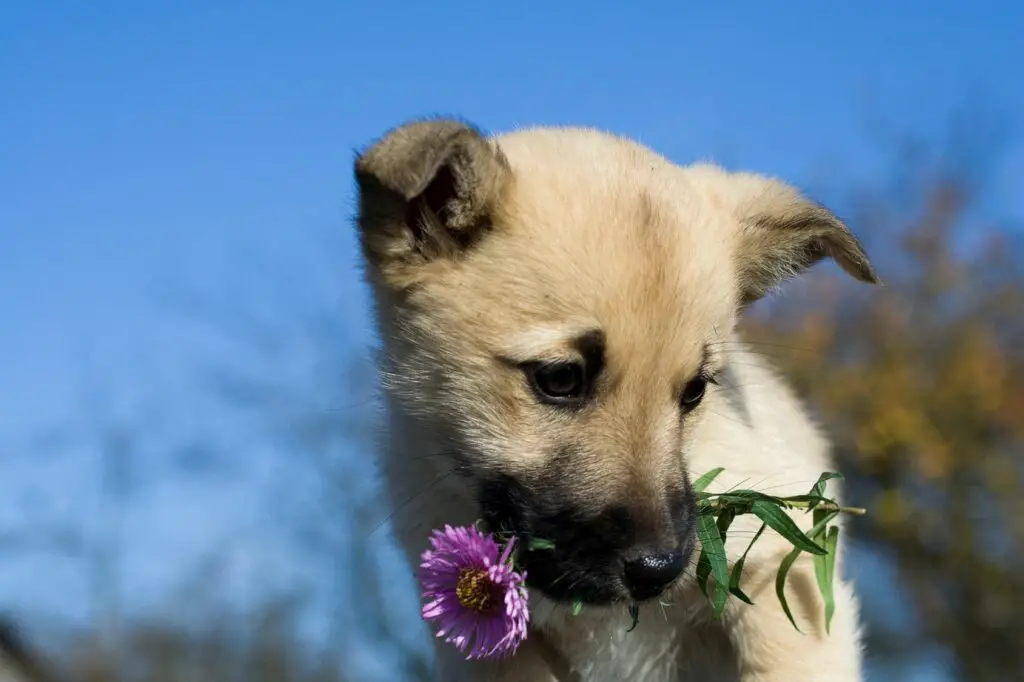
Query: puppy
point(558, 310)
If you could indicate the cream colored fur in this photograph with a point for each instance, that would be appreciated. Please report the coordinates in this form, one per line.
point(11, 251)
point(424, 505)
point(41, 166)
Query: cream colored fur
point(587, 229)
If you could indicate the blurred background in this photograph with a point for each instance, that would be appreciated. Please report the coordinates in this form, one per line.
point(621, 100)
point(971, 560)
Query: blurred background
point(187, 483)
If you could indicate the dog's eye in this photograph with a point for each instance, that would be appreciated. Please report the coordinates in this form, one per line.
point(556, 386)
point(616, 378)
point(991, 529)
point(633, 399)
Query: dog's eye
point(693, 393)
point(558, 383)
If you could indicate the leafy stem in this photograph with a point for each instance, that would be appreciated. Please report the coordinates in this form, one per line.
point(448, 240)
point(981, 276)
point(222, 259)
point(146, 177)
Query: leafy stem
point(717, 511)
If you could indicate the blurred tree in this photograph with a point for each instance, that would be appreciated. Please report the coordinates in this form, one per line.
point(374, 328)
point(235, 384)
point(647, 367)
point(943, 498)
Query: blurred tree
point(921, 383)
point(300, 371)
point(17, 662)
point(263, 646)
point(299, 377)
point(94, 540)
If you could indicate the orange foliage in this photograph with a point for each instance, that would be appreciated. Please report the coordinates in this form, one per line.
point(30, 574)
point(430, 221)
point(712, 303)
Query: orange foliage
point(921, 385)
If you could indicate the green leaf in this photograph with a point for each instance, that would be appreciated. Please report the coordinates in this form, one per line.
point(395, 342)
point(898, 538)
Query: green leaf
point(701, 483)
point(703, 571)
point(747, 496)
point(819, 486)
point(577, 607)
point(739, 593)
point(818, 517)
point(536, 544)
point(780, 584)
point(820, 523)
point(634, 613)
point(824, 570)
point(781, 523)
point(714, 549)
point(725, 519)
point(787, 563)
point(737, 570)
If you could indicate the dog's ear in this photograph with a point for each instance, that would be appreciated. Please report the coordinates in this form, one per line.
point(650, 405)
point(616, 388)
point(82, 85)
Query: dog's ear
point(782, 233)
point(427, 191)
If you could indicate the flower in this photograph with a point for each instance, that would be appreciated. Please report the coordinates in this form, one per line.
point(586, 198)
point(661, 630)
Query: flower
point(473, 594)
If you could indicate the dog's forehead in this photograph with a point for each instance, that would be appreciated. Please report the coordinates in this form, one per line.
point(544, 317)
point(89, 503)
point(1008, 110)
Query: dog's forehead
point(600, 232)
point(608, 203)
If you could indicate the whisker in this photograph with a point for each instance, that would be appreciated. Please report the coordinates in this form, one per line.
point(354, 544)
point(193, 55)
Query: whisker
point(766, 344)
point(750, 360)
point(453, 454)
point(732, 386)
point(727, 418)
point(409, 501)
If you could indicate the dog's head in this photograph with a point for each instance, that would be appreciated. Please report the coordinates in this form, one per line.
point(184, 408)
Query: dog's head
point(555, 303)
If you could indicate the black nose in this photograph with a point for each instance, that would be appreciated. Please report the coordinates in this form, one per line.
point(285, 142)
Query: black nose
point(648, 574)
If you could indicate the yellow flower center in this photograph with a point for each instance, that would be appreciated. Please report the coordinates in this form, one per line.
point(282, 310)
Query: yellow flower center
point(475, 591)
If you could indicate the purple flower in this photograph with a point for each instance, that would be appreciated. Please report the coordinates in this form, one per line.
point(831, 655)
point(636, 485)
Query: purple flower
point(472, 593)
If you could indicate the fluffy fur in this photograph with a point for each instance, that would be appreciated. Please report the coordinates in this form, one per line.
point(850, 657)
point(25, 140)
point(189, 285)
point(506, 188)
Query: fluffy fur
point(487, 254)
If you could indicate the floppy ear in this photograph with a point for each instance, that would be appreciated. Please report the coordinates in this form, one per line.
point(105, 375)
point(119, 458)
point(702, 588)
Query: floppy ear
point(427, 191)
point(782, 233)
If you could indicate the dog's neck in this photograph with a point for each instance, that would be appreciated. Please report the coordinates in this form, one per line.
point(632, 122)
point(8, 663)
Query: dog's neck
point(423, 482)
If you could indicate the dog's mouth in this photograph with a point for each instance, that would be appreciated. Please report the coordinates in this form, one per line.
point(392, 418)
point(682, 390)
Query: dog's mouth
point(562, 578)
point(574, 557)
point(567, 567)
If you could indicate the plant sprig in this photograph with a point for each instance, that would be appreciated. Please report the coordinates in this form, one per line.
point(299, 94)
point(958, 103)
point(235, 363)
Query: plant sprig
point(716, 512)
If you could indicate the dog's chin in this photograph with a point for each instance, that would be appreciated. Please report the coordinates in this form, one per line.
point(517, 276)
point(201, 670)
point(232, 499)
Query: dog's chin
point(565, 582)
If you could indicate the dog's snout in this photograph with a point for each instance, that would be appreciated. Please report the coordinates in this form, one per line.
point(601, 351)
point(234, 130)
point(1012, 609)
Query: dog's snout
point(649, 573)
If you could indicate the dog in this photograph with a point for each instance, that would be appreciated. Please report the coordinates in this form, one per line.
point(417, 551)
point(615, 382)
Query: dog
point(558, 310)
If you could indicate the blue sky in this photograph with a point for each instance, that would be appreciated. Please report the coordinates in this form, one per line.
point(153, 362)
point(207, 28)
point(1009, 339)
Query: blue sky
point(145, 146)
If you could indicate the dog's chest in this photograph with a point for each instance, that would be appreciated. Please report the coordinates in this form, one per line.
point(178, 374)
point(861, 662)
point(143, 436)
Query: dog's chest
point(660, 649)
